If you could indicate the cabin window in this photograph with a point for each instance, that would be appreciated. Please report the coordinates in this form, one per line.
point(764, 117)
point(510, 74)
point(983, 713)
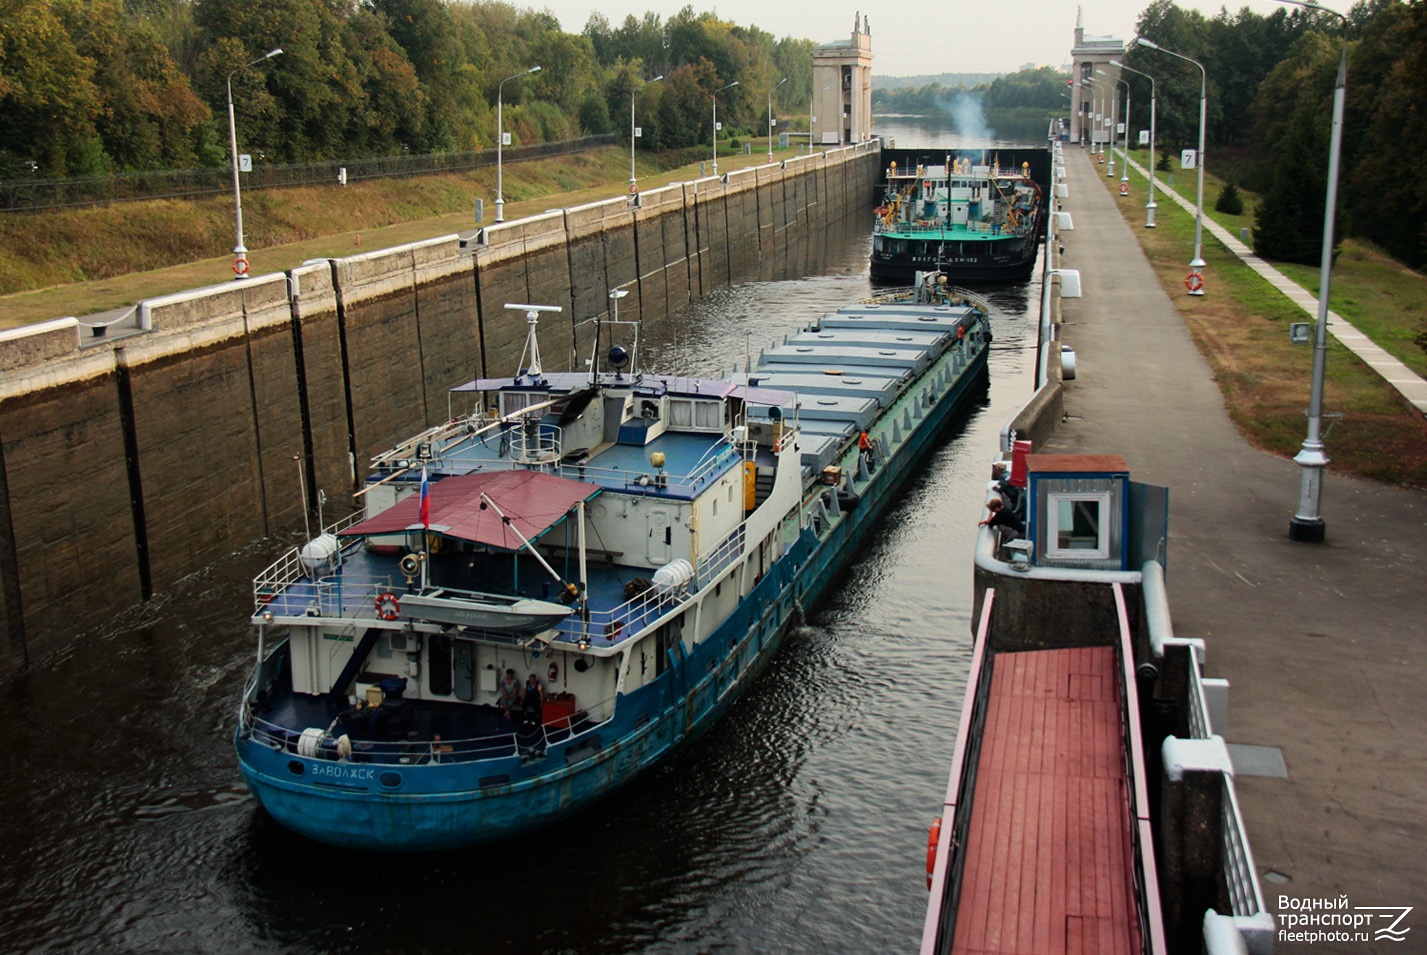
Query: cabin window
point(513, 401)
point(1078, 525)
point(693, 415)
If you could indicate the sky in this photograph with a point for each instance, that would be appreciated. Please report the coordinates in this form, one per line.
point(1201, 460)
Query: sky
point(974, 38)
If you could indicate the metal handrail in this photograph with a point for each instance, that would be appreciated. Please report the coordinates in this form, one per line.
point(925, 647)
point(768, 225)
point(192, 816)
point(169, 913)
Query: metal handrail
point(423, 752)
point(288, 569)
point(881, 228)
point(1245, 892)
point(1144, 871)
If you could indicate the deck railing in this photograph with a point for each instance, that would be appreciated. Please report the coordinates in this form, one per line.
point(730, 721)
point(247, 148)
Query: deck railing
point(422, 752)
point(940, 923)
point(1143, 869)
point(289, 569)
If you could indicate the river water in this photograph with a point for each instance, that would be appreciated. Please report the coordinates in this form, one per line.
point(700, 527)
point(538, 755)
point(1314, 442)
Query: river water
point(798, 824)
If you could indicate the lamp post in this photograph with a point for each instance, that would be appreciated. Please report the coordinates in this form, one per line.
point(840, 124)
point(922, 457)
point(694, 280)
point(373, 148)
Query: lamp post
point(1111, 104)
point(1195, 279)
point(500, 140)
point(240, 251)
point(1125, 139)
point(770, 117)
point(715, 122)
point(634, 183)
point(1095, 124)
point(1307, 524)
point(812, 121)
point(1149, 206)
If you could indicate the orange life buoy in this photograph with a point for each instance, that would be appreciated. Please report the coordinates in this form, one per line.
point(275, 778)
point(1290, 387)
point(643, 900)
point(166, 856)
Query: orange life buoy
point(388, 607)
point(1194, 281)
point(240, 266)
point(933, 837)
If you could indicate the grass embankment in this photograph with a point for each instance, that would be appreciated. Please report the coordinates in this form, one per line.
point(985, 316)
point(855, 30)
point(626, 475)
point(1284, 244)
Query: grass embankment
point(1241, 326)
point(84, 261)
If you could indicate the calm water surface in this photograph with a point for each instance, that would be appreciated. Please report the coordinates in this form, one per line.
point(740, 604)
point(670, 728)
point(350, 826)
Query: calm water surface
point(798, 824)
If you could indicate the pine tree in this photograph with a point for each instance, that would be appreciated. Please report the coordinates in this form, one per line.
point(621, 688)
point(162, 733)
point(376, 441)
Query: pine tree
point(1230, 202)
point(1288, 224)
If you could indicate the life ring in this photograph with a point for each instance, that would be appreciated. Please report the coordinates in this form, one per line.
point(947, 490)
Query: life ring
point(554, 671)
point(1194, 282)
point(388, 607)
point(933, 837)
point(634, 189)
point(240, 266)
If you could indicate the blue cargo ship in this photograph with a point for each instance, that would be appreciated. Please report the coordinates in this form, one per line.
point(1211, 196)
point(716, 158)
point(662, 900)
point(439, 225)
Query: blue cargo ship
point(630, 547)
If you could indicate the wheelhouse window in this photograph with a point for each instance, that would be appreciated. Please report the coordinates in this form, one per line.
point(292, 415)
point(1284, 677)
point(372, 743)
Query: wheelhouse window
point(514, 401)
point(1078, 526)
point(691, 415)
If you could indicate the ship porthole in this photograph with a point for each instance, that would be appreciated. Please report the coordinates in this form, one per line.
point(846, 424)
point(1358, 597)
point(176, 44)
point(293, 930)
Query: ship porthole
point(295, 767)
point(390, 780)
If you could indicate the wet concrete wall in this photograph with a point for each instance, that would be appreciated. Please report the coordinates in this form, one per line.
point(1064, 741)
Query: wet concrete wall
point(134, 454)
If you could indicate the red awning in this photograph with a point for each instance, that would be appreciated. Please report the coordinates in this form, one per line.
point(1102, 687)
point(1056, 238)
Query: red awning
point(534, 502)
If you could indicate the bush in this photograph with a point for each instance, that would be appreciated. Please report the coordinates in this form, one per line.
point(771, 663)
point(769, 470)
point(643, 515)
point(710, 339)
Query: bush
point(1230, 202)
point(1163, 164)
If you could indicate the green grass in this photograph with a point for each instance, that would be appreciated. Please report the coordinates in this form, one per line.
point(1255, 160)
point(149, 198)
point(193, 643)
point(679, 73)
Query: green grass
point(83, 261)
point(1241, 326)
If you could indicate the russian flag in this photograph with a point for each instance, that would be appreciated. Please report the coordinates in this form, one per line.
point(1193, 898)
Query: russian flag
point(425, 500)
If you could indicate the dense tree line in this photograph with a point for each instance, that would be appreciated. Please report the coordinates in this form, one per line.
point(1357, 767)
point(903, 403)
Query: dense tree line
point(93, 87)
point(1270, 94)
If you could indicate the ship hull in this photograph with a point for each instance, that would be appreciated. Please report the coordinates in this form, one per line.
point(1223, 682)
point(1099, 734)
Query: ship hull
point(1011, 260)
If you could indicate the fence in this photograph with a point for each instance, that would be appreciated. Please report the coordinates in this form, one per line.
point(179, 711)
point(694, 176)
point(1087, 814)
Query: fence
point(38, 195)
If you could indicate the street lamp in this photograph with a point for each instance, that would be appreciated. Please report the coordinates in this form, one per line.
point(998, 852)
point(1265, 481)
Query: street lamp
point(500, 140)
point(1195, 279)
point(715, 122)
point(1095, 126)
point(240, 251)
point(1307, 524)
point(770, 116)
point(633, 183)
point(1149, 206)
point(1125, 139)
point(812, 121)
point(1112, 103)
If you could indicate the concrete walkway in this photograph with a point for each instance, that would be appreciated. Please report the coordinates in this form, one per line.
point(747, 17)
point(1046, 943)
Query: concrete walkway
point(1325, 645)
point(1412, 386)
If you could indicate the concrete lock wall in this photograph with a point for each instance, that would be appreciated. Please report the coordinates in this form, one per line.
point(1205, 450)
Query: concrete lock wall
point(132, 455)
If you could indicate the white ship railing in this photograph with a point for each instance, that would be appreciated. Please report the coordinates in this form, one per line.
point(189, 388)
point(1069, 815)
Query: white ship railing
point(407, 752)
point(1251, 917)
point(288, 569)
point(713, 561)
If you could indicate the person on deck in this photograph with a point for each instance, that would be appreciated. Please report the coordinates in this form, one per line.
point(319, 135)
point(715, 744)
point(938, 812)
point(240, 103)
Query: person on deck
point(509, 693)
point(533, 700)
point(1011, 526)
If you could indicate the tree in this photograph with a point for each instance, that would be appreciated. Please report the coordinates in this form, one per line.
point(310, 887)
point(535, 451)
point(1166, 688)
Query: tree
point(594, 115)
point(1388, 199)
point(1229, 201)
point(49, 103)
point(1288, 223)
